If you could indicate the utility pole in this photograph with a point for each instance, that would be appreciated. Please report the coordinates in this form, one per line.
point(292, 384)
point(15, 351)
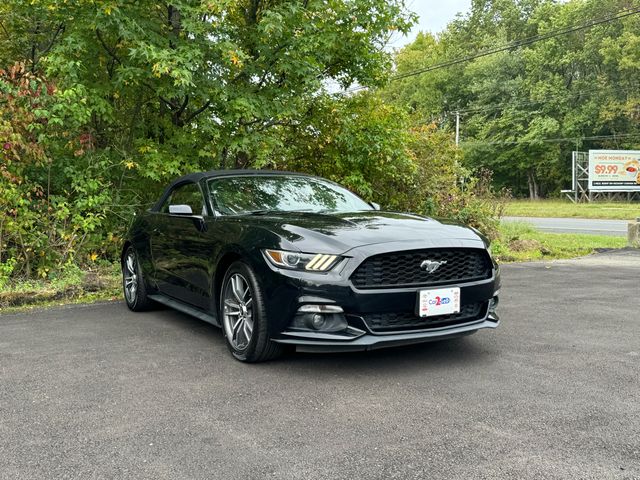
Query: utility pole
point(457, 128)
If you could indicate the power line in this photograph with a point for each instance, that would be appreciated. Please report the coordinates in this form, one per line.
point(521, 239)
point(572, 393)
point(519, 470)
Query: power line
point(523, 103)
point(519, 43)
point(509, 46)
point(543, 100)
point(524, 42)
point(568, 95)
point(621, 136)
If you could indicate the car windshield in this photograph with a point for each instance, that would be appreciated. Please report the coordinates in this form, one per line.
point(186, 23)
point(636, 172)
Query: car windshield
point(245, 195)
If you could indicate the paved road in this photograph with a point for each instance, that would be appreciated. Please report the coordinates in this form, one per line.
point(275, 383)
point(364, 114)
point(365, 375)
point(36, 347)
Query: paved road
point(616, 228)
point(98, 392)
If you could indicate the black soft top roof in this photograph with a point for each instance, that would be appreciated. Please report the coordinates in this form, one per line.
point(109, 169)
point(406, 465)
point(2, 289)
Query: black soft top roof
point(197, 176)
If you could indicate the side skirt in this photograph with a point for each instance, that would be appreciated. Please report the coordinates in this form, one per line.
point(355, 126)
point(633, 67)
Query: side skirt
point(184, 308)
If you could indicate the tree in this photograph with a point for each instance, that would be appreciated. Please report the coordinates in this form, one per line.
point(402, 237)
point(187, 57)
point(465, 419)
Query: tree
point(524, 110)
point(359, 141)
point(215, 78)
point(141, 92)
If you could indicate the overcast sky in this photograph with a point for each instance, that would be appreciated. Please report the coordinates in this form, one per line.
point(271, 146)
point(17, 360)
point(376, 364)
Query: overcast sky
point(434, 16)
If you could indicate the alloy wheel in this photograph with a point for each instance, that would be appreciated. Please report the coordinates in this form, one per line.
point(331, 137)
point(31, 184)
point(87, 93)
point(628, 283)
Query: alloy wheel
point(238, 311)
point(130, 278)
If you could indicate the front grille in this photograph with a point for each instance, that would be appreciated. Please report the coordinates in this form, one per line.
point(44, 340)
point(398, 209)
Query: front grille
point(399, 269)
point(387, 322)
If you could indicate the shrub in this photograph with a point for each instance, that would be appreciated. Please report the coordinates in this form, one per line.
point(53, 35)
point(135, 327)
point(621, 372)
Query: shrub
point(474, 203)
point(56, 192)
point(65, 200)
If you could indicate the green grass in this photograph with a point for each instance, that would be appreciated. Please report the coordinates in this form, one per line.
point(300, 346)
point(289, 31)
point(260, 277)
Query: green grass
point(519, 242)
point(70, 286)
point(564, 208)
point(83, 298)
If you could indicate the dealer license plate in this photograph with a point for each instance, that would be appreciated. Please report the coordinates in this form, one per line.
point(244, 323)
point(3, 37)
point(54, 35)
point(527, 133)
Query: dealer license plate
point(441, 301)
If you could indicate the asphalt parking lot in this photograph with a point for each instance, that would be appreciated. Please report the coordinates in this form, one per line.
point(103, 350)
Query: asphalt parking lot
point(98, 392)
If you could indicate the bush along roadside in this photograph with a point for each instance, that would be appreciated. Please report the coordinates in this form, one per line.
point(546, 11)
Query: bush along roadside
point(520, 242)
point(66, 200)
point(70, 285)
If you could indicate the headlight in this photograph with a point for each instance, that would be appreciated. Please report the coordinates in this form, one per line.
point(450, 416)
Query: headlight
point(313, 262)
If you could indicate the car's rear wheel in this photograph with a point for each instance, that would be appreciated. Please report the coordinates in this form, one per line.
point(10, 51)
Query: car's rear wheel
point(133, 285)
point(244, 317)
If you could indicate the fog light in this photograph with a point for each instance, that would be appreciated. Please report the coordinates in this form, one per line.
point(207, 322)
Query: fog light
point(493, 304)
point(317, 321)
point(320, 318)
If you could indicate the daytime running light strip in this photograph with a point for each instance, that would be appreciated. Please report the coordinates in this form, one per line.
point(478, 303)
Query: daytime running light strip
point(320, 262)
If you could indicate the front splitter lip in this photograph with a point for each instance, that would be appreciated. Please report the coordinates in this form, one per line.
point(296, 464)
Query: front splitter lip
point(369, 341)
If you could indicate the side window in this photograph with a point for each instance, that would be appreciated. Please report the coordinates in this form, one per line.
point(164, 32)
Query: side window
point(188, 194)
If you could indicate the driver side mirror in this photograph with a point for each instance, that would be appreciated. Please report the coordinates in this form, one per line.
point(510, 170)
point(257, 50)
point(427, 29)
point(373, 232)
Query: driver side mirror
point(180, 210)
point(374, 205)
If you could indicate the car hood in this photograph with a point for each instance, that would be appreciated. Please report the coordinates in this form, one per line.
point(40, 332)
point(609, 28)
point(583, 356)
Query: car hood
point(341, 232)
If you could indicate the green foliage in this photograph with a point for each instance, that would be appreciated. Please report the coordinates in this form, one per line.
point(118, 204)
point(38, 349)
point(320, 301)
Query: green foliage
point(474, 202)
point(6, 270)
point(524, 110)
point(101, 103)
point(369, 146)
point(70, 284)
point(359, 141)
point(196, 84)
point(54, 194)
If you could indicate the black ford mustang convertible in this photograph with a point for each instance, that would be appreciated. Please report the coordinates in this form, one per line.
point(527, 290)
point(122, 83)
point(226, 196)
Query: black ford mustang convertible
point(279, 259)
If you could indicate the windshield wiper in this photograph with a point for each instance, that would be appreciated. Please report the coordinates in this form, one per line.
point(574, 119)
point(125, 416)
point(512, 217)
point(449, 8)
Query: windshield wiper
point(261, 212)
point(268, 211)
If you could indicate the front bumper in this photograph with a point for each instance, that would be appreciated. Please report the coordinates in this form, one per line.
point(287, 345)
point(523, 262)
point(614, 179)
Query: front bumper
point(369, 341)
point(359, 304)
point(290, 290)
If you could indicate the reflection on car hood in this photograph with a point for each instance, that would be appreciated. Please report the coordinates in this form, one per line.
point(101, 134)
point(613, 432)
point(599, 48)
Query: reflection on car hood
point(340, 232)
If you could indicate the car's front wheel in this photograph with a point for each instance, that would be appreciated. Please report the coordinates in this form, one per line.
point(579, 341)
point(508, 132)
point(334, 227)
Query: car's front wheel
point(244, 316)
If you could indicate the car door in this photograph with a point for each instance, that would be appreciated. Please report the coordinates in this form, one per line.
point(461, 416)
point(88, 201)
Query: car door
point(181, 246)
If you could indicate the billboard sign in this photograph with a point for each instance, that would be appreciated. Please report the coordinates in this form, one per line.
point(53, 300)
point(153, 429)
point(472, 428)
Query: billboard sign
point(614, 170)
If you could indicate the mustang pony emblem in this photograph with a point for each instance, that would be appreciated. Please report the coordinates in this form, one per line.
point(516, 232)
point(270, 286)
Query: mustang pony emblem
point(431, 265)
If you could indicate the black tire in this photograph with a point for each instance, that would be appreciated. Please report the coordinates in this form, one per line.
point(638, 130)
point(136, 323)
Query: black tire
point(260, 347)
point(139, 301)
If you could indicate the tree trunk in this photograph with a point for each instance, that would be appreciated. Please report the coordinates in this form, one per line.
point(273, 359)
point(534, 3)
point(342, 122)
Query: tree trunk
point(223, 158)
point(175, 21)
point(242, 160)
point(534, 192)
